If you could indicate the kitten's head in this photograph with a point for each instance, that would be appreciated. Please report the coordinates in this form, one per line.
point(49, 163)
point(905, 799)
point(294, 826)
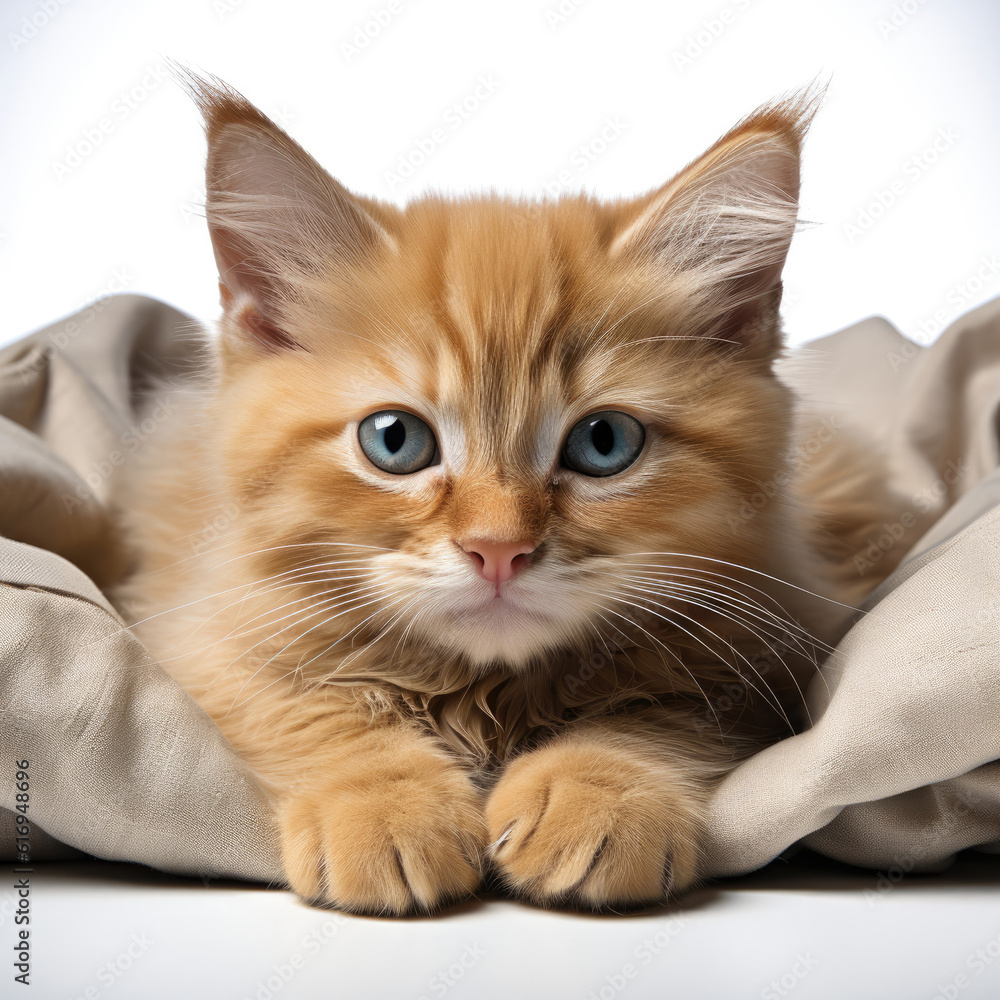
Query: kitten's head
point(505, 414)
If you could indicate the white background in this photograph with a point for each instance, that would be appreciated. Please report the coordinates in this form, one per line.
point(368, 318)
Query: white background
point(123, 216)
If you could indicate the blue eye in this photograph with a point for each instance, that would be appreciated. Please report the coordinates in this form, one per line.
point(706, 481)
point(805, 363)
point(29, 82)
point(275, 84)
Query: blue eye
point(397, 442)
point(604, 443)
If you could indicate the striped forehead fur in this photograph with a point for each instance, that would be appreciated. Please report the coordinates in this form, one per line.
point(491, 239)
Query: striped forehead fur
point(506, 319)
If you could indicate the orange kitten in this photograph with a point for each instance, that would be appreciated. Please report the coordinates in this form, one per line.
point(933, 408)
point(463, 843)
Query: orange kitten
point(481, 594)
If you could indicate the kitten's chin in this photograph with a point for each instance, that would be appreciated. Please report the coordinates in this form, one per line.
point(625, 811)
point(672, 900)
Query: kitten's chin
point(499, 631)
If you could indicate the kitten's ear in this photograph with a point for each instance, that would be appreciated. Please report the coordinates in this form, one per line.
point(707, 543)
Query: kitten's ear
point(723, 225)
point(276, 218)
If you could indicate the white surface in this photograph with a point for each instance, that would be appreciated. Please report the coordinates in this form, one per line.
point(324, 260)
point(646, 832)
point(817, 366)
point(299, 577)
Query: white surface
point(905, 73)
point(811, 932)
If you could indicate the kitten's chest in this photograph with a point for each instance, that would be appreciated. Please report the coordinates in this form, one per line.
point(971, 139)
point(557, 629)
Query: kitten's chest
point(496, 717)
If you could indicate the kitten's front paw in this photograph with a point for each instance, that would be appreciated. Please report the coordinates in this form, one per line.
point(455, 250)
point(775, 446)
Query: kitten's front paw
point(385, 839)
point(588, 825)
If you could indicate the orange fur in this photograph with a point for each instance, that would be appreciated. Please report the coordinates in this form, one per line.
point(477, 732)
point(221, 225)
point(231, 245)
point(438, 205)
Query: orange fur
point(402, 713)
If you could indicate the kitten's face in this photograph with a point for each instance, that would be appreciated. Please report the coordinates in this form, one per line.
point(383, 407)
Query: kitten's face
point(422, 402)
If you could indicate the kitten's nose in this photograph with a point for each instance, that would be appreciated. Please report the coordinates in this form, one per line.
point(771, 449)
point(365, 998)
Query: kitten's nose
point(497, 561)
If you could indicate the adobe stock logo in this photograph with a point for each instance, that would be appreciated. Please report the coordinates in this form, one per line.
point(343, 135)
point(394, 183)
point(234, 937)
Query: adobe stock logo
point(370, 29)
point(125, 104)
point(31, 26)
point(712, 28)
point(586, 154)
point(913, 169)
point(455, 117)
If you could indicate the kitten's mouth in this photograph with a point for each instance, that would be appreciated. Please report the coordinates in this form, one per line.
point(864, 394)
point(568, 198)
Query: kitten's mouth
point(496, 598)
point(501, 609)
point(511, 626)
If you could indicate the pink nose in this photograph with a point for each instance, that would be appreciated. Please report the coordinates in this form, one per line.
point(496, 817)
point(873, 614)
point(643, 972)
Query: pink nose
point(497, 561)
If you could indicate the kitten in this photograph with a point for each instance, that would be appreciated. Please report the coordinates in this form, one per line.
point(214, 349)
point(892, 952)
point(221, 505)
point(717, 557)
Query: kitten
point(482, 594)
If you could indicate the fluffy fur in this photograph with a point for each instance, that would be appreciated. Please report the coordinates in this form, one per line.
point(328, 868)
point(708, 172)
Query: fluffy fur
point(415, 722)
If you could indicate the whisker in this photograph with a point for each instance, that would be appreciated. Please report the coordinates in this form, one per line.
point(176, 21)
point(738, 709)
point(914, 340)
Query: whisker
point(684, 590)
point(385, 631)
point(229, 590)
point(344, 580)
point(272, 548)
point(713, 652)
point(299, 617)
point(299, 638)
point(351, 632)
point(749, 569)
point(659, 642)
point(788, 625)
point(298, 668)
point(749, 663)
point(623, 651)
point(300, 582)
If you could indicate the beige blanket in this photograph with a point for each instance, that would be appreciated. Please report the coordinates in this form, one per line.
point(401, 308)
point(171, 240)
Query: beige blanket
point(896, 773)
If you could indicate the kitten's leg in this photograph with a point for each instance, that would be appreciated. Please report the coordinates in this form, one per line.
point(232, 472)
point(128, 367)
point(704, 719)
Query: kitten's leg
point(383, 821)
point(607, 813)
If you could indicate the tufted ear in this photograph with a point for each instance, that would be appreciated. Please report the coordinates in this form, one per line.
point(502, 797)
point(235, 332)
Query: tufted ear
point(277, 219)
point(725, 222)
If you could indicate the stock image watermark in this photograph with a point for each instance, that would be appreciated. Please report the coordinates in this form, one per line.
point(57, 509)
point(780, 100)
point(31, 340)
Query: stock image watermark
point(912, 170)
point(932, 840)
point(365, 33)
point(111, 972)
point(453, 119)
point(796, 459)
point(978, 961)
point(644, 954)
point(131, 440)
point(602, 659)
point(446, 979)
point(193, 209)
point(122, 107)
point(223, 8)
point(32, 24)
point(22, 873)
point(561, 12)
point(707, 34)
point(282, 973)
point(60, 338)
point(898, 16)
point(922, 502)
point(215, 529)
point(781, 986)
point(585, 155)
point(957, 299)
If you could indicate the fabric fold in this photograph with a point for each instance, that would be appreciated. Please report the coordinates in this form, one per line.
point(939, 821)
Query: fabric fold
point(899, 771)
